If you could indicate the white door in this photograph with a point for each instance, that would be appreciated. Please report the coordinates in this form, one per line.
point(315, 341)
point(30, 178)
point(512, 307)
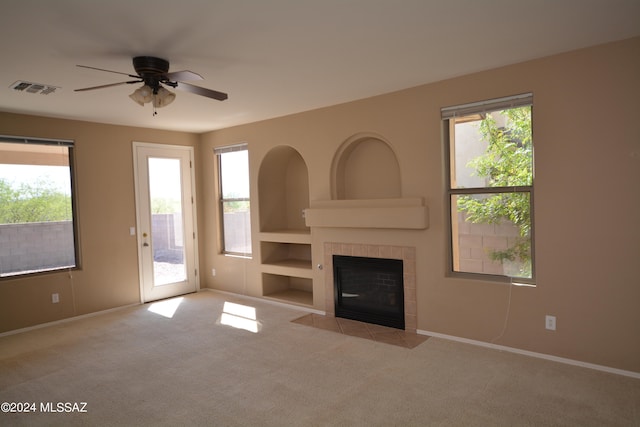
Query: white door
point(165, 207)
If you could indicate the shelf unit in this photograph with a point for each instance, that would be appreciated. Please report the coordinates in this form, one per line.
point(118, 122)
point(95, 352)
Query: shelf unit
point(285, 240)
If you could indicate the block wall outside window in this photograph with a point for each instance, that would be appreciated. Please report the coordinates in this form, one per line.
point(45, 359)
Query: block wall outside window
point(37, 215)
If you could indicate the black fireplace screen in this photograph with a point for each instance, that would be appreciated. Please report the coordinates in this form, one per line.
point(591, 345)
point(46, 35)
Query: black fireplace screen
point(369, 290)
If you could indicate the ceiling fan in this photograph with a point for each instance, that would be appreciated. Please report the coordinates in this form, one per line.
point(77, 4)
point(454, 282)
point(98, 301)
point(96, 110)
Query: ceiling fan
point(154, 73)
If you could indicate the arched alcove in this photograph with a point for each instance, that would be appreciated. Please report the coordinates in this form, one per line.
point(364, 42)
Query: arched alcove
point(285, 240)
point(366, 190)
point(283, 190)
point(365, 167)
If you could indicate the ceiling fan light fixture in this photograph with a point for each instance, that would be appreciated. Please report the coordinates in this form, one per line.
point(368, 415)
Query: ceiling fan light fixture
point(163, 97)
point(142, 95)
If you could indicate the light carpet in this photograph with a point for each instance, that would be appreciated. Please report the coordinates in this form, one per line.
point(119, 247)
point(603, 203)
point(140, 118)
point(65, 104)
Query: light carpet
point(212, 359)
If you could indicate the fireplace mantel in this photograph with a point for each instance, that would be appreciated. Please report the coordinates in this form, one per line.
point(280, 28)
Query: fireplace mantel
point(402, 213)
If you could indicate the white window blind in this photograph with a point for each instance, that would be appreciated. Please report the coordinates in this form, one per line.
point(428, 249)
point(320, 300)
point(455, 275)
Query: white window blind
point(230, 148)
point(487, 106)
point(40, 141)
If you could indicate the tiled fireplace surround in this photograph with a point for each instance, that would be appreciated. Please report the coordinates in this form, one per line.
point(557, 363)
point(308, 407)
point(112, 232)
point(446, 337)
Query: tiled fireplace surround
point(405, 253)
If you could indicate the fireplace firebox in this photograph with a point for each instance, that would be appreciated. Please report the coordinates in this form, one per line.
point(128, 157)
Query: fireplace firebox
point(369, 290)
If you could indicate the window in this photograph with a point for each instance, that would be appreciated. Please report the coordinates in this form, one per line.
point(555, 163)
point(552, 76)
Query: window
point(490, 188)
point(37, 218)
point(233, 169)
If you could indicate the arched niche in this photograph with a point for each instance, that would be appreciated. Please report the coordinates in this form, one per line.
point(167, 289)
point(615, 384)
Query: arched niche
point(365, 167)
point(283, 190)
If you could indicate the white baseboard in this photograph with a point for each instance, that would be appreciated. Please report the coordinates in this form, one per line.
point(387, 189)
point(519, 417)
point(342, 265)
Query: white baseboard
point(110, 310)
point(311, 310)
point(66, 320)
point(533, 354)
point(463, 340)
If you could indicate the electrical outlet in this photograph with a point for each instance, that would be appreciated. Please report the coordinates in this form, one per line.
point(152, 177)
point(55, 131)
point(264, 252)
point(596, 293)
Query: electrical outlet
point(55, 298)
point(550, 322)
point(213, 271)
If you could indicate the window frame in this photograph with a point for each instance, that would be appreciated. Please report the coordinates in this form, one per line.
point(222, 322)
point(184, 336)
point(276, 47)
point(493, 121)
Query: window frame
point(70, 145)
point(219, 151)
point(449, 115)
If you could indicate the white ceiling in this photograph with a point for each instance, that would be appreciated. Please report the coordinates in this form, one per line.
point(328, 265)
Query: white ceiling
point(277, 57)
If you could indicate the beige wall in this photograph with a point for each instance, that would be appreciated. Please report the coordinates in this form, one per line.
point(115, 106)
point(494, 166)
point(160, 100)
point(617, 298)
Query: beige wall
point(587, 202)
point(587, 205)
point(106, 209)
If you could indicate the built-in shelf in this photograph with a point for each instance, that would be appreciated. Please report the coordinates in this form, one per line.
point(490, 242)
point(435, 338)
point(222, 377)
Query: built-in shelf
point(285, 240)
point(289, 267)
point(287, 236)
point(288, 288)
point(292, 259)
point(293, 296)
point(401, 213)
point(299, 264)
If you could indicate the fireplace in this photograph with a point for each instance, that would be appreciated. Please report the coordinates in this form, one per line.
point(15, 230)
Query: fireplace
point(369, 290)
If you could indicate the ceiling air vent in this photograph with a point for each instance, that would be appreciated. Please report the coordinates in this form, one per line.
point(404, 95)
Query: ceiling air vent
point(28, 87)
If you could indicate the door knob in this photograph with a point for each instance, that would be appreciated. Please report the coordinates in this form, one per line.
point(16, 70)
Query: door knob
point(145, 244)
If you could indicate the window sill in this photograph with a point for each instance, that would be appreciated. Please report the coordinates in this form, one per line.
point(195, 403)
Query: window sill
point(488, 278)
point(237, 256)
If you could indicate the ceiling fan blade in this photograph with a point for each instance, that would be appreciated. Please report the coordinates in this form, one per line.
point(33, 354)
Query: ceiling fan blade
point(181, 76)
point(108, 71)
point(108, 85)
point(220, 96)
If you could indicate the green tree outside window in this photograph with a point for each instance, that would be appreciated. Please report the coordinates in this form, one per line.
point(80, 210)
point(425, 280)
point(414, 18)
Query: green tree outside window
point(506, 162)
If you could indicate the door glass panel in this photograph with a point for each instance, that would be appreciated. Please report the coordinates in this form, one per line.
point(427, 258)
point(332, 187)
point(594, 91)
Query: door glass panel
point(167, 225)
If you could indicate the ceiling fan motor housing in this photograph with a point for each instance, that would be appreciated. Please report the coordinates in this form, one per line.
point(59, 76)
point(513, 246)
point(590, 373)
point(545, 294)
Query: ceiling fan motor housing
point(148, 66)
point(153, 71)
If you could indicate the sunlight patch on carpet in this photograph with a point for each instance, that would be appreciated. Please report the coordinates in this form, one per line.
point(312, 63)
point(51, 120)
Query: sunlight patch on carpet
point(240, 317)
point(166, 308)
